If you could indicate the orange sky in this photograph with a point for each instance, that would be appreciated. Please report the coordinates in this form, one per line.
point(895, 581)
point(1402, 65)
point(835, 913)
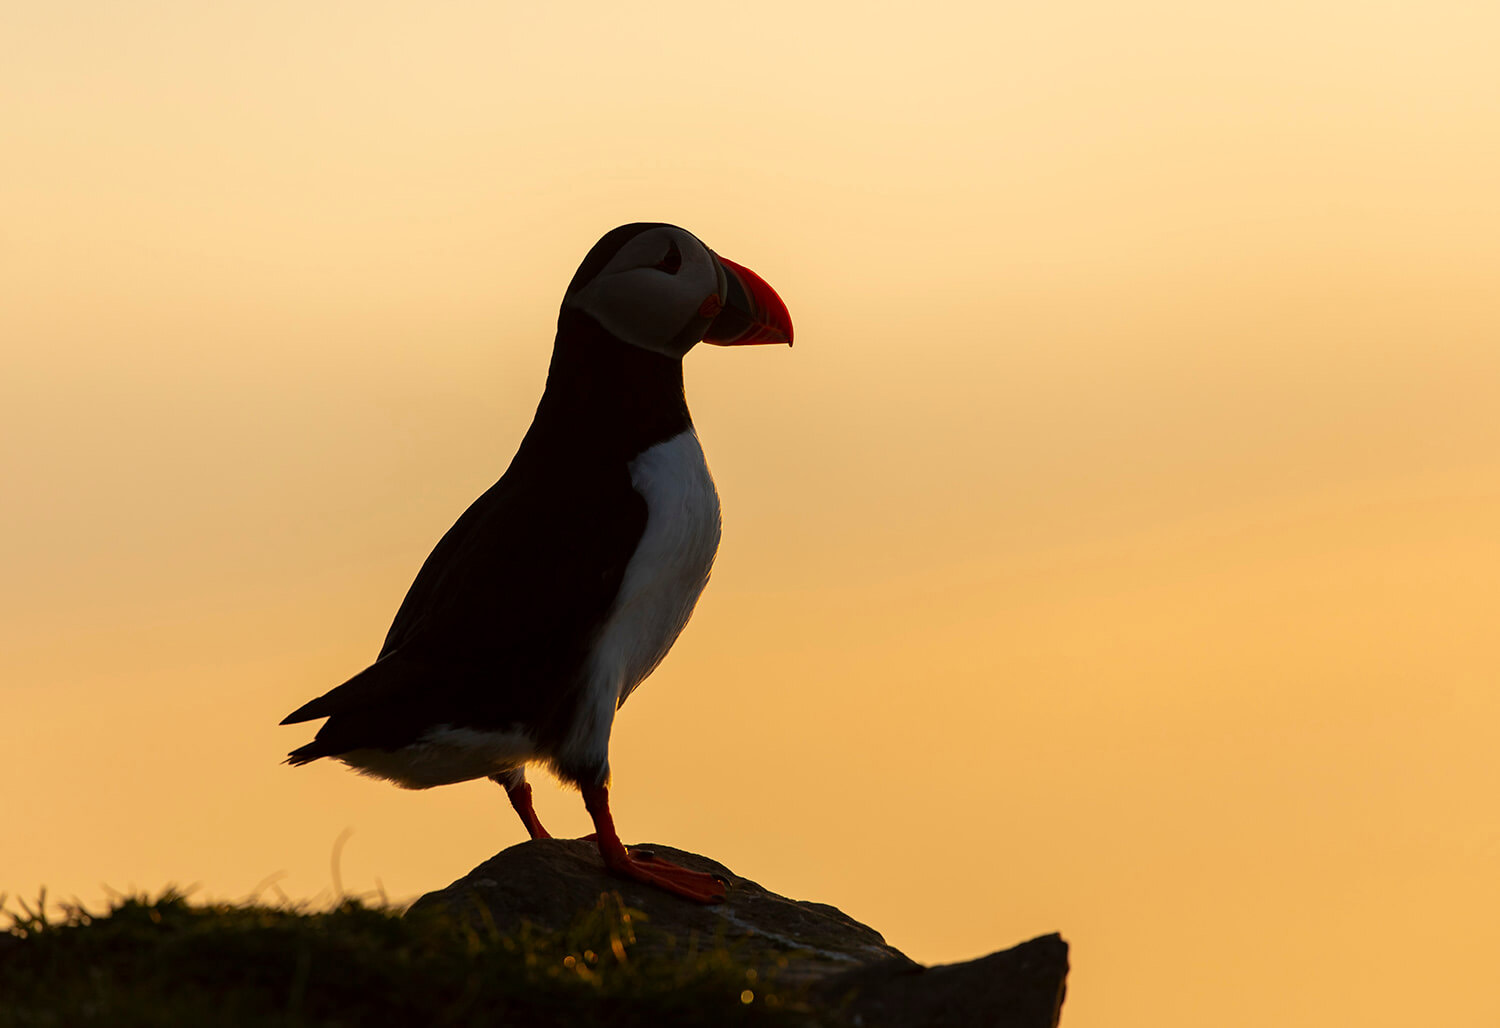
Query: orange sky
point(1114, 554)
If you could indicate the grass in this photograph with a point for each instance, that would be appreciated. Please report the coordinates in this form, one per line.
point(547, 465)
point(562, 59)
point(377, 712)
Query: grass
point(174, 963)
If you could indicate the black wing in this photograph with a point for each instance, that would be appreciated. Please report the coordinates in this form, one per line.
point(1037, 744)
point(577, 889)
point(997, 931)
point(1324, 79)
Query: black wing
point(496, 627)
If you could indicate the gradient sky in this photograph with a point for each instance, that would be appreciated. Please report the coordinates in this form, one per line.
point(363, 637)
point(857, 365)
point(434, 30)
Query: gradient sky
point(1116, 552)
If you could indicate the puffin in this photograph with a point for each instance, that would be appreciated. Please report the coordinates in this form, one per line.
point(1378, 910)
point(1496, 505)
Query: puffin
point(564, 585)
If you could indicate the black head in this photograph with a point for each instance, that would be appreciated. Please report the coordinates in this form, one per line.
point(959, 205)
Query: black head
point(657, 287)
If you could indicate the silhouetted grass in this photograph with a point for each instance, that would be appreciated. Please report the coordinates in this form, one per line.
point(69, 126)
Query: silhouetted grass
point(169, 962)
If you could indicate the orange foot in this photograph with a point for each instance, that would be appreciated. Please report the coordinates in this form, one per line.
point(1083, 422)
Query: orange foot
point(646, 867)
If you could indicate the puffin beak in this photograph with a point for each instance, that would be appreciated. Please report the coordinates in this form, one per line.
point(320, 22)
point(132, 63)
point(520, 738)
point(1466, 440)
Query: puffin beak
point(752, 312)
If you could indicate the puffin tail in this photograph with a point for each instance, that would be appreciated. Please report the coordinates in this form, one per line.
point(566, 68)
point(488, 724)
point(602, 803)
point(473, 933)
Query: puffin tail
point(380, 683)
point(306, 754)
point(369, 710)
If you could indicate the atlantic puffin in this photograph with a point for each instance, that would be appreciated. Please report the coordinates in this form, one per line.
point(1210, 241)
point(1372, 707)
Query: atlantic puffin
point(565, 584)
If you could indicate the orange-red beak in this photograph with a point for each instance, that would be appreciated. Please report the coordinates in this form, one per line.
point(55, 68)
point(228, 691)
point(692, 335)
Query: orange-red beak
point(752, 311)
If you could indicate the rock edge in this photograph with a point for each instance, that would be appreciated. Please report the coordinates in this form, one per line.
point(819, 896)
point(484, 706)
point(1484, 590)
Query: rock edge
point(846, 968)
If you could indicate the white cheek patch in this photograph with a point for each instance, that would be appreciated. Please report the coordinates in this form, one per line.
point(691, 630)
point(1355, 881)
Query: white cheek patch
point(639, 306)
point(643, 305)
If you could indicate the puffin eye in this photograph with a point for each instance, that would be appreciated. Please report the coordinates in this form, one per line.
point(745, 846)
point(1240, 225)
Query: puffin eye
point(672, 262)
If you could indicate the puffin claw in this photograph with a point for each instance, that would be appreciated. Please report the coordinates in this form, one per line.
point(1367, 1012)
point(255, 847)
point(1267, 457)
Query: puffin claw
point(644, 866)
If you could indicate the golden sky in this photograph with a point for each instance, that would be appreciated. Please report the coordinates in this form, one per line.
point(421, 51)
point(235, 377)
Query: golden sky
point(1116, 552)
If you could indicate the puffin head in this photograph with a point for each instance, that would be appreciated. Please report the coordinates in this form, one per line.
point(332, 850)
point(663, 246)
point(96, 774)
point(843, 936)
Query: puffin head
point(659, 288)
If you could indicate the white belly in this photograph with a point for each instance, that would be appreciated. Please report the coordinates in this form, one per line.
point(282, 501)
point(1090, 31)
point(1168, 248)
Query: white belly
point(661, 586)
point(444, 755)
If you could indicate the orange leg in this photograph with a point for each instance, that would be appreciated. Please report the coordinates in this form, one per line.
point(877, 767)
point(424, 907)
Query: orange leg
point(520, 798)
point(693, 885)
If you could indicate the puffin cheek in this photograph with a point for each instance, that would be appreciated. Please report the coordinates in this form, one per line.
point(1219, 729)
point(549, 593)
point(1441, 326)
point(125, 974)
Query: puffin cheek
point(690, 334)
point(631, 306)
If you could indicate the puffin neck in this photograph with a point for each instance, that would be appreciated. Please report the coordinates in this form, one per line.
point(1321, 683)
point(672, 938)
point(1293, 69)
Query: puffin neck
point(607, 395)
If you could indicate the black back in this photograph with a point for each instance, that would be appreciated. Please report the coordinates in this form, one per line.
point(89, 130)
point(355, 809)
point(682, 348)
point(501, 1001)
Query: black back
point(495, 630)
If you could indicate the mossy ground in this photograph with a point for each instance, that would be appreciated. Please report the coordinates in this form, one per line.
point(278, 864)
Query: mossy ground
point(175, 963)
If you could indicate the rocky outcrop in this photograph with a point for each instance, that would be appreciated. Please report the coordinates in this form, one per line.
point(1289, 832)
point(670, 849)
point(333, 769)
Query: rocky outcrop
point(845, 969)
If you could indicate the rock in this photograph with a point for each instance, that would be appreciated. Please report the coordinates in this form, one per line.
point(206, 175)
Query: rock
point(1022, 986)
point(845, 968)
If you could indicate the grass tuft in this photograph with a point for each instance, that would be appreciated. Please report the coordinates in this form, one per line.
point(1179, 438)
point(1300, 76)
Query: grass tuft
point(167, 962)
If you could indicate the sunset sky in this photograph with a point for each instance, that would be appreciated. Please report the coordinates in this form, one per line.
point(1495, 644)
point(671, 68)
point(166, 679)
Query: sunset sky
point(1116, 553)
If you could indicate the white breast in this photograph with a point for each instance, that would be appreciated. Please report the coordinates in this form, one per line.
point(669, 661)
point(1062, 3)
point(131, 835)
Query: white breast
point(661, 586)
